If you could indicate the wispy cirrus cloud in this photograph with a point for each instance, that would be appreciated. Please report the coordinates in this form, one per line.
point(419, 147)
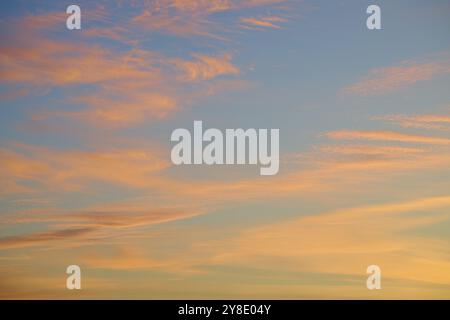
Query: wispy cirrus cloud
point(143, 168)
point(266, 22)
point(337, 235)
point(426, 121)
point(205, 67)
point(387, 79)
point(46, 238)
point(346, 241)
point(55, 169)
point(386, 136)
point(79, 228)
point(193, 17)
point(125, 86)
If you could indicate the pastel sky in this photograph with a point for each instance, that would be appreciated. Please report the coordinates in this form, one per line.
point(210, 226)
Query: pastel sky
point(86, 177)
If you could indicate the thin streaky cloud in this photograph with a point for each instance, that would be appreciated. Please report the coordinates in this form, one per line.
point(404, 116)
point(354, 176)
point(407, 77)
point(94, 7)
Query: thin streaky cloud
point(388, 79)
point(81, 228)
point(206, 67)
point(426, 121)
point(386, 136)
point(267, 22)
point(350, 238)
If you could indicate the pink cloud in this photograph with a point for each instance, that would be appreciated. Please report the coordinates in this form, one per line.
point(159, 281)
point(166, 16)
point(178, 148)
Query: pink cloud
point(387, 79)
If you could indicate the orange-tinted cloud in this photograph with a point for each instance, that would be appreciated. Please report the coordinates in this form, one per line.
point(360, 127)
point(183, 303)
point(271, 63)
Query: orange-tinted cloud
point(125, 86)
point(426, 121)
point(322, 167)
point(70, 170)
point(346, 241)
point(43, 238)
point(268, 21)
point(206, 67)
point(387, 79)
point(386, 136)
point(122, 107)
point(45, 62)
point(193, 17)
point(126, 258)
point(89, 226)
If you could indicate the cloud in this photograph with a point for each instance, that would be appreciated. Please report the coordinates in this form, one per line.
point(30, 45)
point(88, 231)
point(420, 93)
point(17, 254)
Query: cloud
point(109, 87)
point(206, 67)
point(194, 17)
point(268, 21)
point(88, 227)
point(346, 241)
point(117, 87)
point(125, 258)
point(337, 242)
point(43, 238)
point(70, 170)
point(386, 136)
point(323, 167)
point(370, 150)
point(388, 79)
point(121, 106)
point(45, 62)
point(426, 121)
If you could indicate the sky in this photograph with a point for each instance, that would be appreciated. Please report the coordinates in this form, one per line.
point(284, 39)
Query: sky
point(86, 176)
